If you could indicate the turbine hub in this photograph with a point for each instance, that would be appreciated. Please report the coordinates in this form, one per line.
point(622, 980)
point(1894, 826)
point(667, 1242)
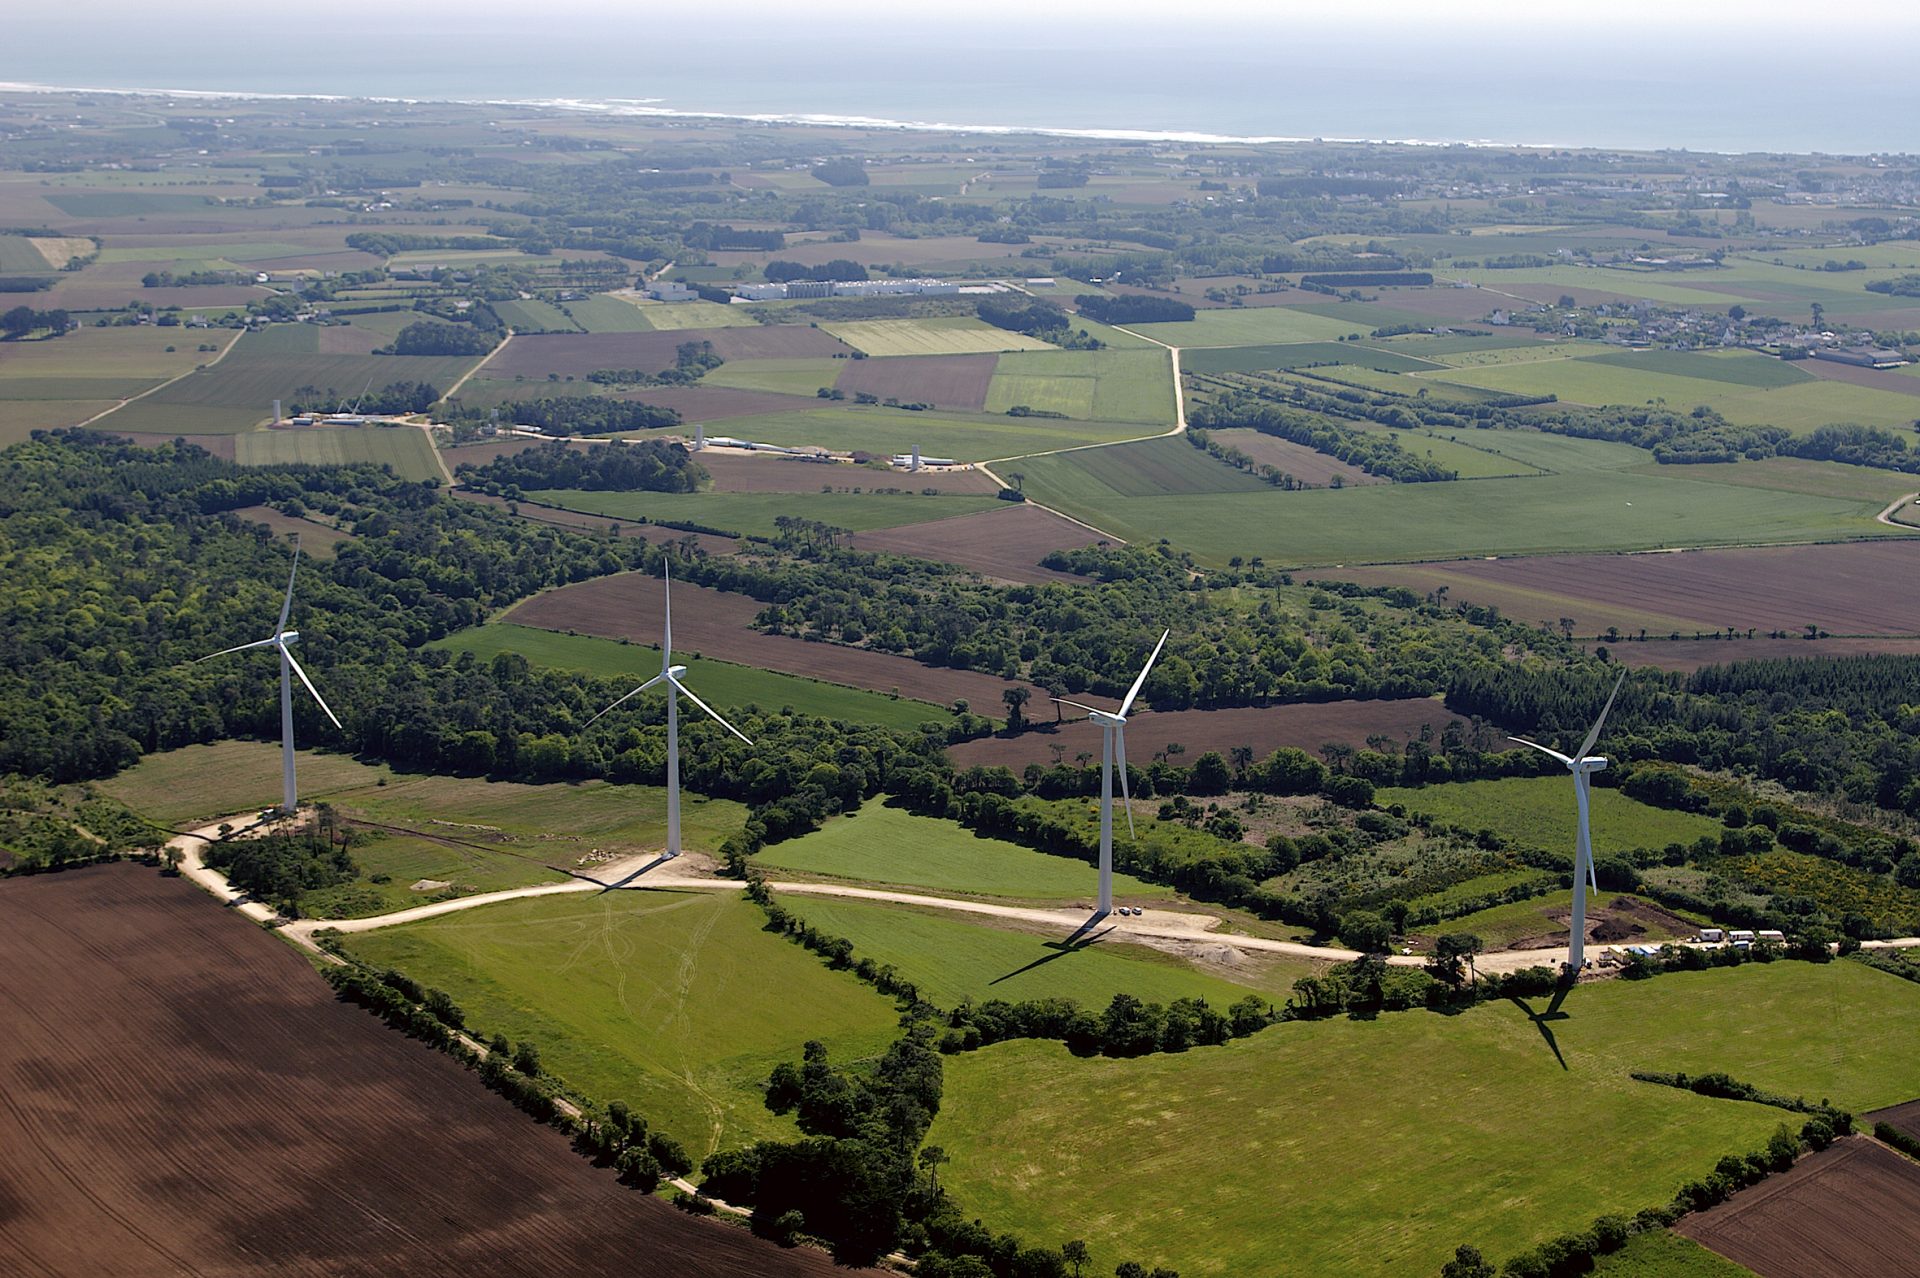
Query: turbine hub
point(1593, 763)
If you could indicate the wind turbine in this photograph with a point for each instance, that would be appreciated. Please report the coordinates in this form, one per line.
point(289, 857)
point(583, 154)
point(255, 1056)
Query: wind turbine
point(1583, 765)
point(283, 640)
point(670, 676)
point(1113, 741)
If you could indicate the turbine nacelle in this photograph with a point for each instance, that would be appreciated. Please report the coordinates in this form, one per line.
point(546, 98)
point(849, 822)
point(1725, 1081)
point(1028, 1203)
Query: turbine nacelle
point(288, 636)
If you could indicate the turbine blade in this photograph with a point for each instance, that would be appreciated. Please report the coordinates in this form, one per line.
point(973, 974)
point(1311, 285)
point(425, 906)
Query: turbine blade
point(666, 652)
point(709, 709)
point(1586, 747)
point(1120, 756)
point(1077, 705)
point(310, 688)
point(1543, 749)
point(1593, 878)
point(258, 643)
point(286, 605)
point(1134, 691)
point(623, 700)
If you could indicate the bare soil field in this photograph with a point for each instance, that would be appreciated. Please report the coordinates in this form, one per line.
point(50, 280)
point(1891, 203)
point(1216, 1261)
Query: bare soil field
point(1307, 465)
point(1905, 1117)
point(768, 473)
point(1844, 589)
point(1686, 655)
point(951, 381)
point(1006, 545)
point(185, 1096)
point(576, 521)
point(1877, 378)
point(714, 623)
point(1851, 1209)
point(1265, 728)
point(577, 354)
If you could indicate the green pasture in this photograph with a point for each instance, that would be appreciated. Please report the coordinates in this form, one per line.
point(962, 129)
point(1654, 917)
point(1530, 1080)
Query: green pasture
point(1395, 384)
point(678, 1002)
point(1115, 338)
point(1253, 359)
point(1464, 453)
point(952, 959)
point(1797, 475)
point(896, 848)
point(753, 514)
point(390, 864)
point(890, 431)
point(674, 316)
point(531, 315)
point(1116, 386)
point(1248, 326)
point(1169, 465)
point(404, 448)
point(1661, 1253)
point(1738, 368)
point(1538, 811)
point(199, 782)
point(780, 376)
point(719, 683)
point(1374, 1147)
point(1601, 508)
point(1672, 287)
point(941, 335)
point(603, 314)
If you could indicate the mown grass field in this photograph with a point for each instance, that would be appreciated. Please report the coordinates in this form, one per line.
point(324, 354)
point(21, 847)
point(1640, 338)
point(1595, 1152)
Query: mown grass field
point(678, 1003)
point(895, 848)
point(1376, 1147)
point(178, 787)
point(1253, 359)
point(675, 316)
point(1539, 811)
point(1662, 1254)
point(1603, 507)
point(391, 864)
point(1251, 326)
point(888, 431)
point(719, 683)
point(942, 335)
point(952, 959)
point(404, 448)
point(603, 314)
point(781, 376)
point(531, 315)
point(1156, 467)
point(61, 381)
point(753, 514)
point(1119, 386)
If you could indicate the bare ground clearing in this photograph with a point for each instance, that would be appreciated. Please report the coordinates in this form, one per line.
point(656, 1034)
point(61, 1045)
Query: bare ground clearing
point(1307, 465)
point(951, 381)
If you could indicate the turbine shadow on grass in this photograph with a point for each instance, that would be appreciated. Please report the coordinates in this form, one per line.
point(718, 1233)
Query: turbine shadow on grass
point(1540, 1020)
point(1080, 940)
point(627, 880)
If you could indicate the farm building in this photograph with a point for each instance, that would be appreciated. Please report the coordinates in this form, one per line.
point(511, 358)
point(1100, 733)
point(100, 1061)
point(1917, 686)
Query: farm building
point(843, 288)
point(1862, 356)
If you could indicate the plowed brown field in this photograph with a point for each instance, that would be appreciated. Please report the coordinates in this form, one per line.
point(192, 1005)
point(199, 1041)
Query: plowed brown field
point(715, 623)
point(1307, 465)
point(1686, 654)
point(1852, 1209)
point(183, 1095)
point(1905, 1117)
point(1264, 728)
point(1006, 545)
point(951, 381)
point(577, 354)
point(1857, 588)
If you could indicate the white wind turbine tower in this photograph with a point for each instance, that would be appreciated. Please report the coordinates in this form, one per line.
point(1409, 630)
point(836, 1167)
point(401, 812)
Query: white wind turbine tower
point(1583, 765)
point(670, 676)
point(283, 639)
point(1113, 742)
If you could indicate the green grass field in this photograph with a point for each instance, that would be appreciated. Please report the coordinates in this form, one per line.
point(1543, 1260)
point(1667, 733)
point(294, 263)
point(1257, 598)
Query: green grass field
point(1156, 468)
point(943, 335)
point(1248, 326)
point(1118, 386)
point(531, 315)
point(1375, 1147)
point(404, 448)
point(1539, 811)
point(719, 683)
point(179, 787)
point(675, 316)
point(886, 431)
point(402, 860)
point(952, 959)
point(781, 376)
point(894, 847)
point(678, 1003)
point(754, 513)
point(1253, 359)
point(237, 393)
point(1662, 1254)
point(603, 314)
point(1602, 507)
point(1738, 368)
